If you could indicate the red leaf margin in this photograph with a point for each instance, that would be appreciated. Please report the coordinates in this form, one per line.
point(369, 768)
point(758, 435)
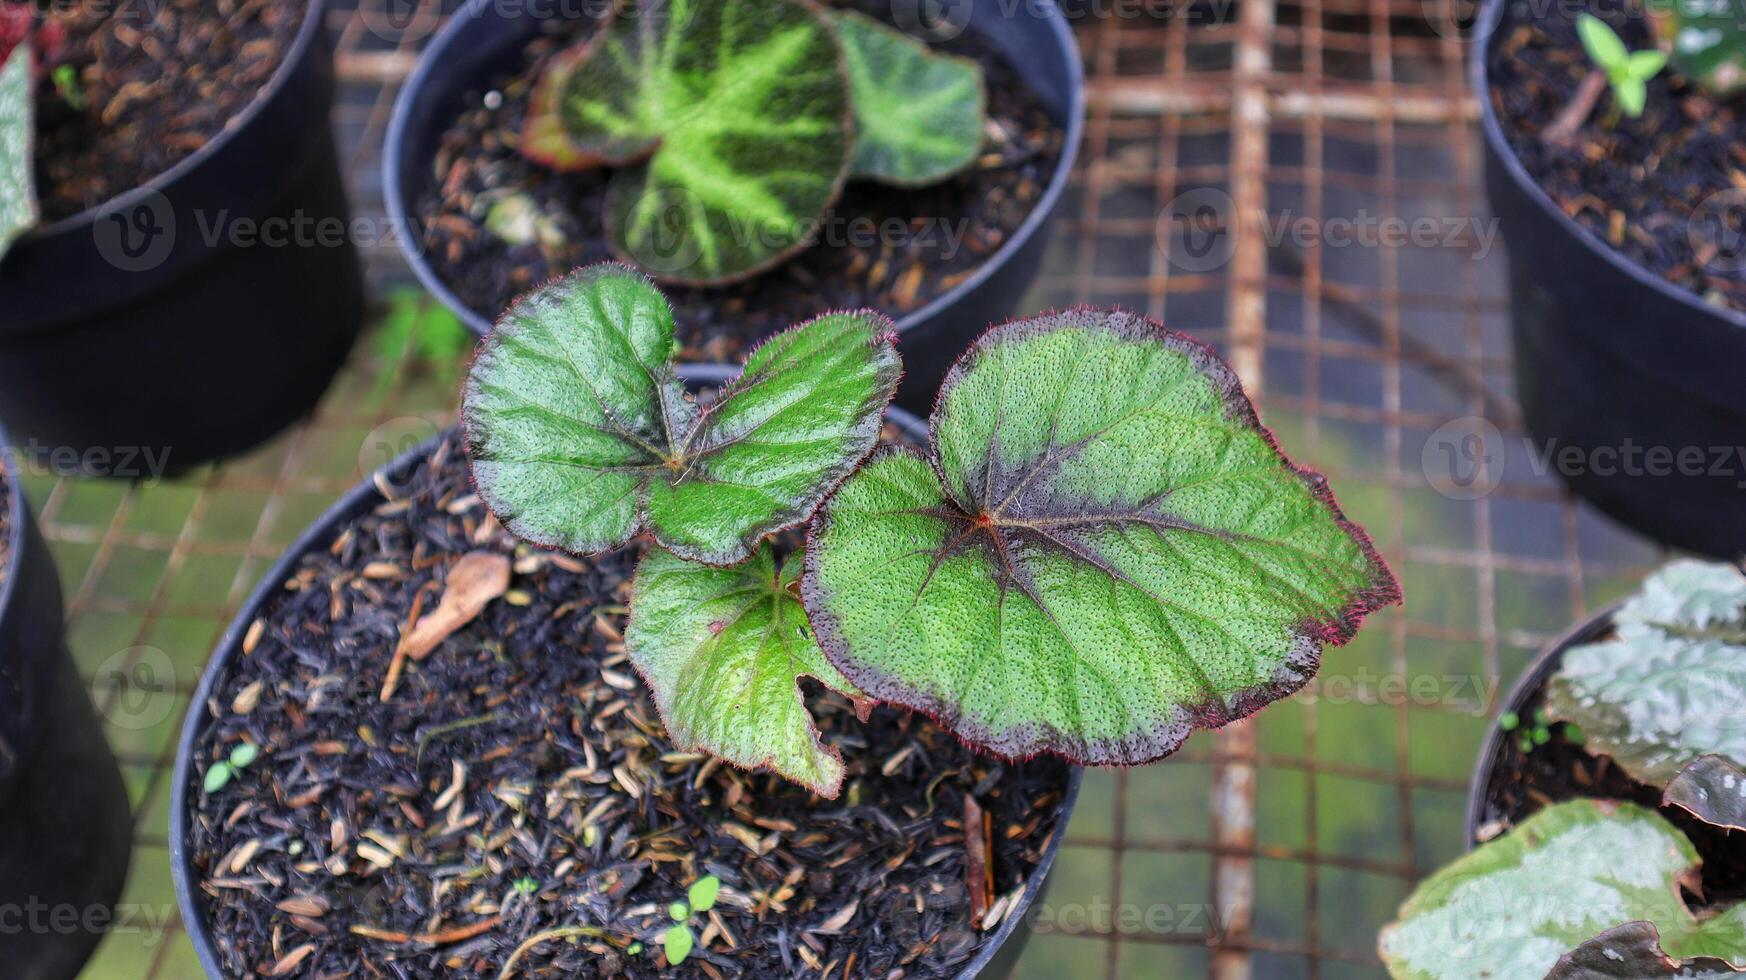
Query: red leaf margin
point(1019, 744)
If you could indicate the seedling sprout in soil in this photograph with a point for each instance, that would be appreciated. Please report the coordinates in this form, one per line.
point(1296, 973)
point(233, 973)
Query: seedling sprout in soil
point(1102, 551)
point(230, 767)
point(731, 126)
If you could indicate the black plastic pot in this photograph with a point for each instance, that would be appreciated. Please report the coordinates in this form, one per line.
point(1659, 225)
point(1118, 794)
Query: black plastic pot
point(65, 830)
point(128, 327)
point(484, 41)
point(1614, 360)
point(1529, 684)
point(999, 954)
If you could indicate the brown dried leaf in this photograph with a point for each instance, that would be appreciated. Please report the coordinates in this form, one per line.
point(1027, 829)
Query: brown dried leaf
point(474, 581)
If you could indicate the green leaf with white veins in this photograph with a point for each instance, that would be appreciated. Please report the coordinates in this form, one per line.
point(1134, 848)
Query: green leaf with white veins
point(723, 650)
point(18, 209)
point(1515, 905)
point(729, 123)
point(1668, 687)
point(1108, 552)
point(918, 115)
point(580, 434)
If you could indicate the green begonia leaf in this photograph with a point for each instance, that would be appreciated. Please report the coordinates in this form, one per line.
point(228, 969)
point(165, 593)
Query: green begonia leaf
point(18, 208)
point(918, 115)
point(1633, 952)
point(1512, 907)
point(1668, 687)
point(729, 124)
point(1108, 552)
point(723, 650)
point(580, 434)
point(1705, 39)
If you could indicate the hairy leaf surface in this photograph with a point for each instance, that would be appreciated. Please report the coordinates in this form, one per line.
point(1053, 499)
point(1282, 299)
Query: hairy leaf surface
point(1669, 686)
point(1515, 905)
point(918, 115)
point(1705, 39)
point(729, 123)
point(580, 433)
point(18, 209)
point(1108, 553)
point(723, 650)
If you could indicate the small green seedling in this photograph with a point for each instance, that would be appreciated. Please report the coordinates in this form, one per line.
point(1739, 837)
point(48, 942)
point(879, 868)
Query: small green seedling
point(1627, 71)
point(1099, 551)
point(731, 126)
point(1535, 734)
point(678, 940)
point(225, 770)
point(66, 79)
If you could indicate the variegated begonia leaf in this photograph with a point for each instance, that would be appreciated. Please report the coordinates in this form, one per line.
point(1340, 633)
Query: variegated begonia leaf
point(729, 124)
point(18, 208)
point(580, 433)
point(1107, 552)
point(1704, 39)
point(1633, 952)
point(1670, 685)
point(918, 115)
point(723, 650)
point(1513, 906)
point(1711, 788)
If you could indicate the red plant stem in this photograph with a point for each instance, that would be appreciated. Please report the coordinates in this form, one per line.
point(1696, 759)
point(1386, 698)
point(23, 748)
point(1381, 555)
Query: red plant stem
point(1562, 132)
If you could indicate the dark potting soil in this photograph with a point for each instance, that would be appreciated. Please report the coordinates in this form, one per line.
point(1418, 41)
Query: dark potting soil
point(158, 80)
point(1636, 183)
point(519, 781)
point(1523, 782)
point(893, 249)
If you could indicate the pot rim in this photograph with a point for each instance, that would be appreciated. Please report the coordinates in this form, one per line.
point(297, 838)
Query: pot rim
point(18, 514)
point(430, 63)
point(1532, 679)
point(314, 14)
point(317, 535)
point(1485, 31)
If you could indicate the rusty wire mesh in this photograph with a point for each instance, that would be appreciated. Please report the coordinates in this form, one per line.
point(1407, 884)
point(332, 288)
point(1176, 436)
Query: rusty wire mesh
point(1274, 849)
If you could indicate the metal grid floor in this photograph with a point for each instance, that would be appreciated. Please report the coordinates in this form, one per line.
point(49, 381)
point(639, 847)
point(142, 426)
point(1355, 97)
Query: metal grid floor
point(1235, 151)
